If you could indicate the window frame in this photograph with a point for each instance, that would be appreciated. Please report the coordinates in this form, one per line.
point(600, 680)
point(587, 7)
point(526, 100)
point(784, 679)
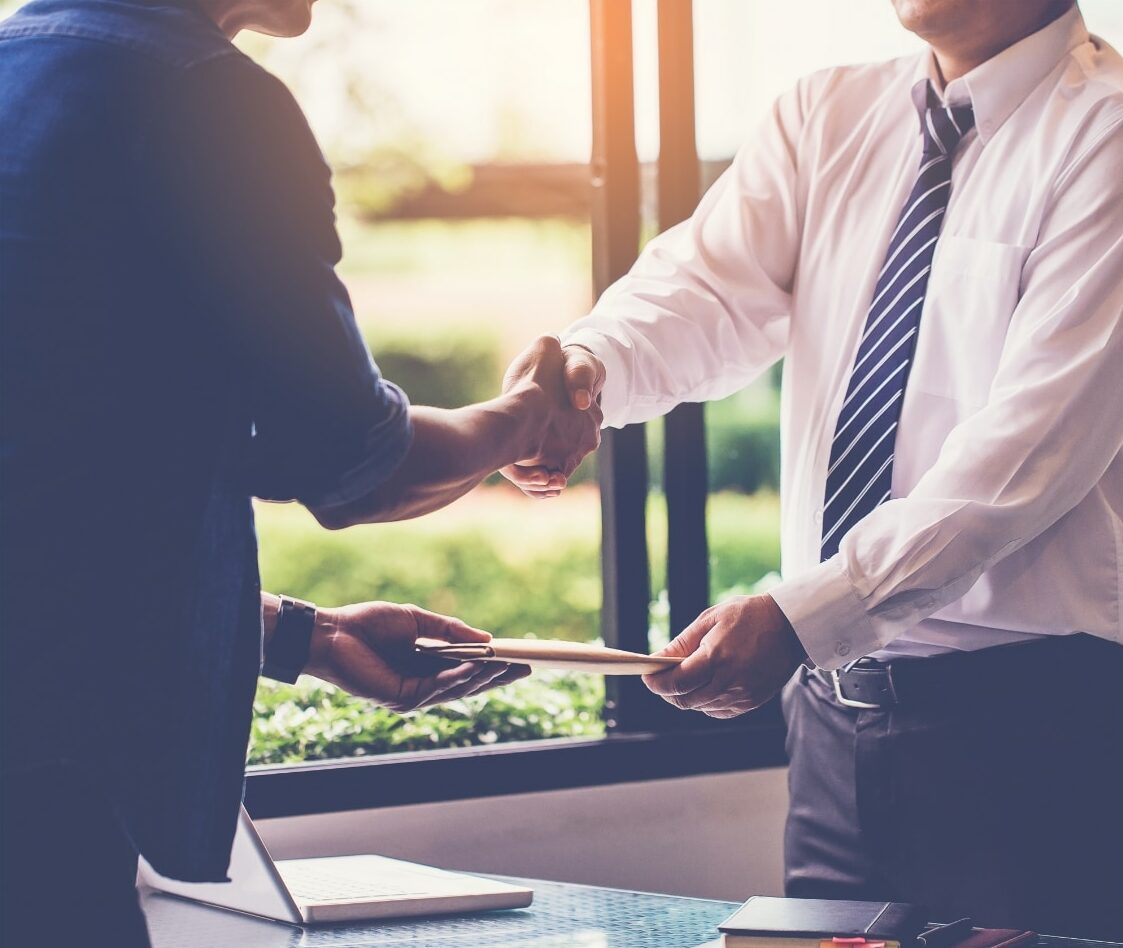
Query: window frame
point(646, 738)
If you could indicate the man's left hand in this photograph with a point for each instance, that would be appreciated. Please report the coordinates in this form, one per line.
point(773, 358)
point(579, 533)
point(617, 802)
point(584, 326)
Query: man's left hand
point(737, 655)
point(367, 649)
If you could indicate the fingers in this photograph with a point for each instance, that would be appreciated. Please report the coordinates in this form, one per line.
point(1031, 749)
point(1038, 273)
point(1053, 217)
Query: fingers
point(730, 704)
point(535, 481)
point(696, 669)
point(464, 681)
point(584, 376)
point(431, 625)
point(725, 714)
point(694, 673)
point(512, 674)
point(444, 686)
point(688, 640)
point(535, 477)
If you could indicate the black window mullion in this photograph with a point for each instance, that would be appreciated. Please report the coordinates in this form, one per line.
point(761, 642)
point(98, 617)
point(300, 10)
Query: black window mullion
point(622, 461)
point(684, 445)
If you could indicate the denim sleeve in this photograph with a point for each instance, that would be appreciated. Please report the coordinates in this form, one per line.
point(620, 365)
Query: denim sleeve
point(255, 209)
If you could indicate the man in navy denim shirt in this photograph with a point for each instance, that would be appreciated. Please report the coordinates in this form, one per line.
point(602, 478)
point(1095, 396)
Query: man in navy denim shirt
point(174, 342)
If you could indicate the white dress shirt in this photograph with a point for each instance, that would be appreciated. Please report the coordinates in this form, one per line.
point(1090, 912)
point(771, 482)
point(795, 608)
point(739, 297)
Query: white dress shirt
point(1006, 517)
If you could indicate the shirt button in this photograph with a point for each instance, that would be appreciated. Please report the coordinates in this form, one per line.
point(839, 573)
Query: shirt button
point(842, 649)
point(818, 517)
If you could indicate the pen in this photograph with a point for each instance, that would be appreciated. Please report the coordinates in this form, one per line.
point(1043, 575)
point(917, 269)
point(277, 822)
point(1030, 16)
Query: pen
point(944, 935)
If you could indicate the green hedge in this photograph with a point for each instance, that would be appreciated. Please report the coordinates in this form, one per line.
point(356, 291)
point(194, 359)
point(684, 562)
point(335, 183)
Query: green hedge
point(515, 567)
point(555, 593)
point(315, 721)
point(445, 369)
point(743, 454)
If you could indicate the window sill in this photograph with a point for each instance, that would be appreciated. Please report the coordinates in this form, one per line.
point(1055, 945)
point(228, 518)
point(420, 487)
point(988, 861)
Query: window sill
point(279, 790)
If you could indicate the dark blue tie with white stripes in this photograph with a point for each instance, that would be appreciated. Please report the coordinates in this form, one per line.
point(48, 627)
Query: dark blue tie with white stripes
point(860, 475)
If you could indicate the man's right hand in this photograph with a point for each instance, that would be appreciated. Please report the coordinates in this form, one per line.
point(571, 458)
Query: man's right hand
point(574, 378)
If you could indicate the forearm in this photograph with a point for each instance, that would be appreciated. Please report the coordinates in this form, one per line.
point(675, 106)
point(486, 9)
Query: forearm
point(452, 451)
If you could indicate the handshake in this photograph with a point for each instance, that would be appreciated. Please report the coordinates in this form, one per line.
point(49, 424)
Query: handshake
point(569, 380)
point(735, 656)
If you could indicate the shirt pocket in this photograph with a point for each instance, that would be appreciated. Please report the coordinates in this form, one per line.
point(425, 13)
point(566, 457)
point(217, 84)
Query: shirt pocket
point(972, 292)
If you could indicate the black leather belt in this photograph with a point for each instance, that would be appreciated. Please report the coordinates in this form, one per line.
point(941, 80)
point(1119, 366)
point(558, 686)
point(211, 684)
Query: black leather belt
point(956, 677)
point(865, 684)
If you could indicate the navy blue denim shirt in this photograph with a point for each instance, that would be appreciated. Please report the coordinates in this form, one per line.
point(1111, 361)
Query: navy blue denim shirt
point(174, 342)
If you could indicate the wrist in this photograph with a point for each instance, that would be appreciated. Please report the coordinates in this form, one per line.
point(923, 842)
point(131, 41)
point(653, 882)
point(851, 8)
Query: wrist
point(527, 410)
point(270, 609)
point(792, 644)
point(287, 646)
point(324, 632)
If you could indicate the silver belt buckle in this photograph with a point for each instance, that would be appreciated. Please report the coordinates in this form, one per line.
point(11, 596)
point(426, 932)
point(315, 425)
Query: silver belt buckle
point(849, 702)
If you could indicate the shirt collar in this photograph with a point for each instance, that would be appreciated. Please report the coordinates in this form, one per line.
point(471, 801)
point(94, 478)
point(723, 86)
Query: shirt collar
point(994, 89)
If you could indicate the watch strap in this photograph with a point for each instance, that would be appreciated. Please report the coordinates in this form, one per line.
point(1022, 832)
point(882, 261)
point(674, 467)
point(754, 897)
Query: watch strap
point(287, 651)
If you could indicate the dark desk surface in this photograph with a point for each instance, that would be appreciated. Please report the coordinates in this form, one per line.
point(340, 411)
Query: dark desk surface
point(562, 916)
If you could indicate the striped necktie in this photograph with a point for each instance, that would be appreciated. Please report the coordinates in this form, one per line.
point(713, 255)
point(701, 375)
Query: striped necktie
point(860, 475)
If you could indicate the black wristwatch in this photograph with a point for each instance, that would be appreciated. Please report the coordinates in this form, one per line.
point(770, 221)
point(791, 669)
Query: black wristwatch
point(288, 648)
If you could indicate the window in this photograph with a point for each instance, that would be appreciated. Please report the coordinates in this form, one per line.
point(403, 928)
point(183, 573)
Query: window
point(725, 494)
point(443, 234)
point(459, 133)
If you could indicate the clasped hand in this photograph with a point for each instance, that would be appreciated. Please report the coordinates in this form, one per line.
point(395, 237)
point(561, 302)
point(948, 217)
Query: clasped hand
point(571, 379)
point(736, 655)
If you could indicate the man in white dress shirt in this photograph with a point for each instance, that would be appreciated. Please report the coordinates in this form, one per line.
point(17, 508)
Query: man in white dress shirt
point(948, 299)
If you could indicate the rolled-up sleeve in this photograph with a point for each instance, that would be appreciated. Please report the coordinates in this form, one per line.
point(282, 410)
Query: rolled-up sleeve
point(384, 446)
point(255, 211)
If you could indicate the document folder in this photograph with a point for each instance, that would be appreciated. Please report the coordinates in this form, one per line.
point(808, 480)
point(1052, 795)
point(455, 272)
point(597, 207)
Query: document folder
point(567, 656)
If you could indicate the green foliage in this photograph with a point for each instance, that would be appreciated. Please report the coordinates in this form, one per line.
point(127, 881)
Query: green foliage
point(744, 535)
point(743, 455)
point(742, 440)
point(552, 591)
point(315, 721)
point(443, 369)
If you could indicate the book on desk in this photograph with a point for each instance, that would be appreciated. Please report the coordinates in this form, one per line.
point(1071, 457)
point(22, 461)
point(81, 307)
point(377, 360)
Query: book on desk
point(765, 922)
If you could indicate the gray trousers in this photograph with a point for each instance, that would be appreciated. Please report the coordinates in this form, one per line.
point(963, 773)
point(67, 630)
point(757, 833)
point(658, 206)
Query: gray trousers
point(1002, 802)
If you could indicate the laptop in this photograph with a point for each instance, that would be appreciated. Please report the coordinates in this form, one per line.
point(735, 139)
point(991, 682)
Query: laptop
point(336, 888)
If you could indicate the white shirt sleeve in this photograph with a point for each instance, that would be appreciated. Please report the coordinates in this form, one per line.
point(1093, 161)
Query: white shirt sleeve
point(1051, 428)
point(706, 307)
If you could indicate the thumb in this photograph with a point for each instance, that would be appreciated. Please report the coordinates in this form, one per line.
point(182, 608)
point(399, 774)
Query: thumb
point(584, 376)
point(430, 625)
point(687, 641)
point(685, 644)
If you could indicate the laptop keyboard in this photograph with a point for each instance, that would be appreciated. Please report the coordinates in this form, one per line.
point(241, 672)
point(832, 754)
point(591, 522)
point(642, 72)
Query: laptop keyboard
point(313, 884)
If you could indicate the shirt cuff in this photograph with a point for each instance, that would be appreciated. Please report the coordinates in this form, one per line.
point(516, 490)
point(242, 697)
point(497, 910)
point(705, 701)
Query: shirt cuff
point(614, 395)
point(827, 614)
point(386, 445)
